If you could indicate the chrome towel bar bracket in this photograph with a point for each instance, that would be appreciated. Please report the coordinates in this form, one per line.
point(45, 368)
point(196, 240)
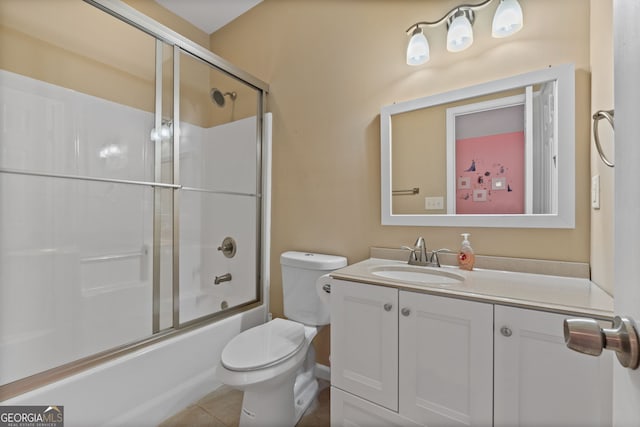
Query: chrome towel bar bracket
point(410, 192)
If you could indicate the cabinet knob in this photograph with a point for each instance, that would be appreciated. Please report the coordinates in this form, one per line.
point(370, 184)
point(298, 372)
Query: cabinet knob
point(388, 307)
point(506, 331)
point(405, 311)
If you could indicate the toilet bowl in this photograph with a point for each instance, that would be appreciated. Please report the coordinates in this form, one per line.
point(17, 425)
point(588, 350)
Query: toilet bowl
point(267, 362)
point(274, 363)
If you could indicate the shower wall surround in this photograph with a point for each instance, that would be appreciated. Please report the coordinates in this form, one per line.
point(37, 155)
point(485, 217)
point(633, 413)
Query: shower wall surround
point(76, 255)
point(221, 159)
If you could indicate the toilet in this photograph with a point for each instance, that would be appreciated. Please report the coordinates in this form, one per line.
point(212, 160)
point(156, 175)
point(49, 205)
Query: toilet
point(274, 363)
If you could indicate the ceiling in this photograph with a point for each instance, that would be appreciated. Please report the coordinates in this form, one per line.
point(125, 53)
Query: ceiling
point(208, 15)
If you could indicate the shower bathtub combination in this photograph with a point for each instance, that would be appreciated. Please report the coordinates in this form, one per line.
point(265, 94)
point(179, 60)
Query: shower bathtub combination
point(134, 185)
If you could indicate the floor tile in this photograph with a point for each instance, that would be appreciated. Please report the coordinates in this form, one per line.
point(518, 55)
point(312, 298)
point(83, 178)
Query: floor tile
point(193, 416)
point(221, 408)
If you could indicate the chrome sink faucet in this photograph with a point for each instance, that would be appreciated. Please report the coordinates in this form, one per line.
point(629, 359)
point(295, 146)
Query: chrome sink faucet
point(418, 254)
point(420, 250)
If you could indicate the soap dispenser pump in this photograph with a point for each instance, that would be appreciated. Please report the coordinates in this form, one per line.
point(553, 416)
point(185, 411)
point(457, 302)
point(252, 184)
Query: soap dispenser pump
point(466, 257)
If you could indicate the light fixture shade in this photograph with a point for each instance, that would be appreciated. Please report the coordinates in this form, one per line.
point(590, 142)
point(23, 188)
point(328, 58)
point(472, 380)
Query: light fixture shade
point(508, 19)
point(460, 34)
point(418, 48)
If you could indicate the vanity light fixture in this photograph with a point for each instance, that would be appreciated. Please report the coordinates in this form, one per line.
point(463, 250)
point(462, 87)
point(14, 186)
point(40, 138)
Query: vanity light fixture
point(506, 21)
point(460, 30)
point(418, 49)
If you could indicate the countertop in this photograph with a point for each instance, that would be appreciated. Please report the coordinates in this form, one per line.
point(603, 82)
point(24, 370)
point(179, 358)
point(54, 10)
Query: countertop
point(565, 295)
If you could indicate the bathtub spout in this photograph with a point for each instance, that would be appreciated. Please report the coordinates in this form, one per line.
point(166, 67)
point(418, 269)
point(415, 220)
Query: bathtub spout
point(223, 278)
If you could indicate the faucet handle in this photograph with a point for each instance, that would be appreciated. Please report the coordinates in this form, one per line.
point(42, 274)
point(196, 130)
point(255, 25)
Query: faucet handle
point(412, 255)
point(434, 255)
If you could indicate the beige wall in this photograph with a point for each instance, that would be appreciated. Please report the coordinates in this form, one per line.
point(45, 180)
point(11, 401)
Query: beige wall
point(602, 99)
point(112, 60)
point(419, 158)
point(171, 20)
point(332, 64)
point(34, 45)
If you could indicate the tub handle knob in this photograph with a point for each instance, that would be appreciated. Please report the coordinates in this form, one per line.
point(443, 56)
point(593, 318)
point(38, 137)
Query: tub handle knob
point(228, 247)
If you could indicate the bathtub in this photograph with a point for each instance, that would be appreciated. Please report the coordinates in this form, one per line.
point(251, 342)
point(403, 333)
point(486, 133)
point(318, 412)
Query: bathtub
point(149, 385)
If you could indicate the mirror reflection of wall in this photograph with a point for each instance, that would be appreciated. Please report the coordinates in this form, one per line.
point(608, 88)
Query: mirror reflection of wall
point(495, 154)
point(419, 150)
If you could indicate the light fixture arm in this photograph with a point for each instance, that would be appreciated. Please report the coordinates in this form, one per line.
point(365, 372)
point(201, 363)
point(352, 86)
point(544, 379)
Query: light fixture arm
point(447, 16)
point(468, 13)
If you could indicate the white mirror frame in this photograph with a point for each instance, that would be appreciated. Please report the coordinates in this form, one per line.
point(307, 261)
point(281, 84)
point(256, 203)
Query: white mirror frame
point(564, 75)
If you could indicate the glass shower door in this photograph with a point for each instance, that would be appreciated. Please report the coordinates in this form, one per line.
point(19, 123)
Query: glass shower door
point(219, 202)
point(130, 179)
point(77, 185)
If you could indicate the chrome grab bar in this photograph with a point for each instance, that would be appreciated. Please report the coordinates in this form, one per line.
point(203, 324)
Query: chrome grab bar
point(599, 115)
point(143, 252)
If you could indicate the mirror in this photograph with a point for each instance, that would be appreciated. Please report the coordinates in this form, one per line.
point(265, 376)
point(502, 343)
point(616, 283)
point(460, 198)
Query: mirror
point(497, 154)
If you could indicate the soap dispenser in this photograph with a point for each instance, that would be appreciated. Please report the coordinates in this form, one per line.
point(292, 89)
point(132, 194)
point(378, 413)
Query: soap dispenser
point(466, 257)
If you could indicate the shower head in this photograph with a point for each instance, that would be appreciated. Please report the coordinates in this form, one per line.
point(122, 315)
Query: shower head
point(218, 97)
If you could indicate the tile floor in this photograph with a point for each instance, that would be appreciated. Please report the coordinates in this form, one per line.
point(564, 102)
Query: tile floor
point(221, 408)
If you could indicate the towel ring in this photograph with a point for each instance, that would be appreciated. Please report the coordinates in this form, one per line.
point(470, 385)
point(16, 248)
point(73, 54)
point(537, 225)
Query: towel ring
point(602, 114)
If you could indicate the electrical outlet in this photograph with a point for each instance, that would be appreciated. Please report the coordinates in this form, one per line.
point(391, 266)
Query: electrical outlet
point(595, 192)
point(433, 203)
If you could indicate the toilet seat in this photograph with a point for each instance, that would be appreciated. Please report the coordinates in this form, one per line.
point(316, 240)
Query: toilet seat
point(263, 346)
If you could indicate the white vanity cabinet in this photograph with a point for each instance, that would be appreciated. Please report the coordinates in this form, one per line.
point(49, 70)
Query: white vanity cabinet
point(408, 358)
point(364, 341)
point(539, 381)
point(426, 358)
point(445, 358)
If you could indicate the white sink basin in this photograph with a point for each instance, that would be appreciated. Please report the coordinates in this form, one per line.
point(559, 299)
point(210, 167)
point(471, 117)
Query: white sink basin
point(420, 275)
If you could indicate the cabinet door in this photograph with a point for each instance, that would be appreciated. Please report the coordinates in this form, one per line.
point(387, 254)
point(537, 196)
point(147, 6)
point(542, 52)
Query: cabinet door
point(349, 410)
point(446, 360)
point(364, 341)
point(539, 381)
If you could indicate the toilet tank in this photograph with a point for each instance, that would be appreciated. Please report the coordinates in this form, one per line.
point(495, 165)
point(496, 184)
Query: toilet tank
point(300, 272)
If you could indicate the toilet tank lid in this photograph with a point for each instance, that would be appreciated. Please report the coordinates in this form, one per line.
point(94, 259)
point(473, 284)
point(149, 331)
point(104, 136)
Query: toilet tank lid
point(312, 261)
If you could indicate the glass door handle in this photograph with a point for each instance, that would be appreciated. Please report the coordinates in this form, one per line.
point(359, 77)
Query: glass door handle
point(586, 336)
